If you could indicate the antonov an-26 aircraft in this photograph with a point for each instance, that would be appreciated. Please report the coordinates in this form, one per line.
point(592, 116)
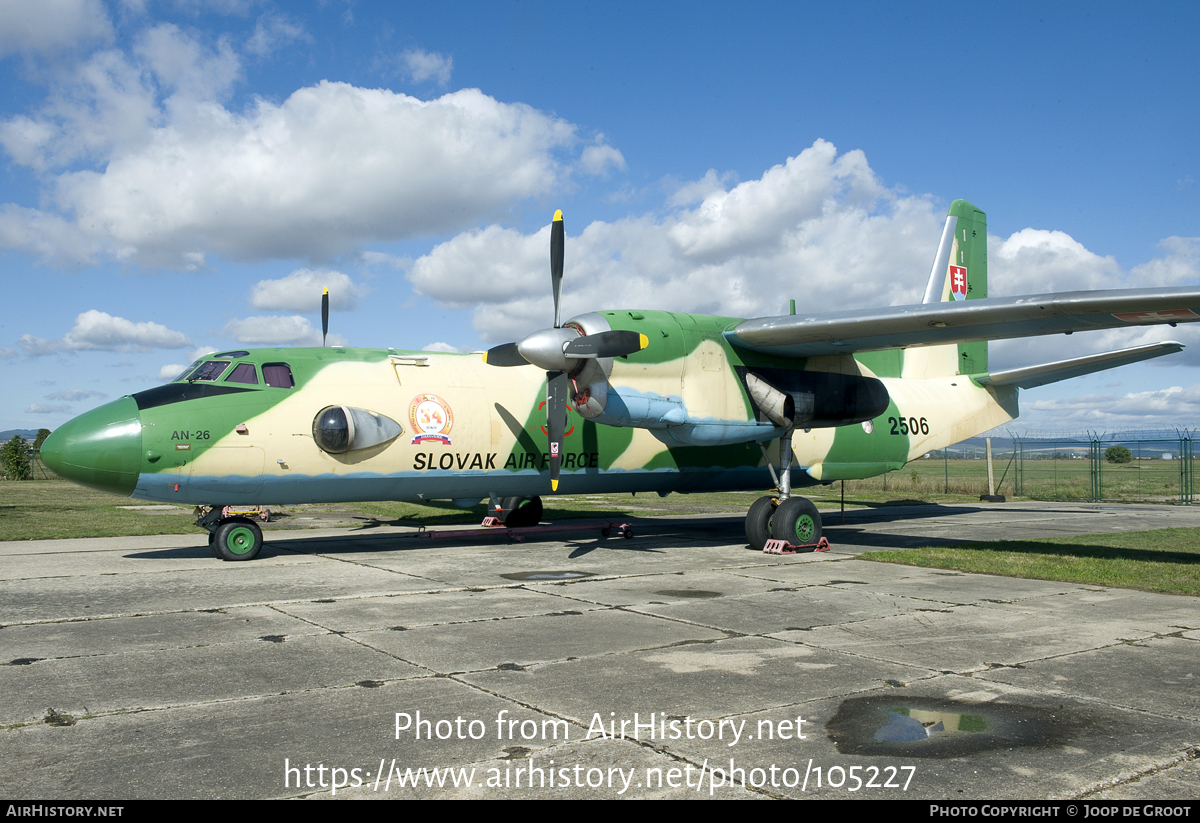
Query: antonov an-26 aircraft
point(609, 401)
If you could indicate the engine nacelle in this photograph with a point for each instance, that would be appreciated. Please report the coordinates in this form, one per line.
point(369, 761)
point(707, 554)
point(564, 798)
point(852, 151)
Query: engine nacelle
point(815, 399)
point(589, 385)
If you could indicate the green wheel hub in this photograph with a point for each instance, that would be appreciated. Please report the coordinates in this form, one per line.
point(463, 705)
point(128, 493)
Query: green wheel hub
point(240, 540)
point(805, 528)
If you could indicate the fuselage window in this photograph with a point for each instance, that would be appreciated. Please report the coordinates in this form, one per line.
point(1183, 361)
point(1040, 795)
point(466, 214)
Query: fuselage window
point(243, 373)
point(278, 375)
point(210, 370)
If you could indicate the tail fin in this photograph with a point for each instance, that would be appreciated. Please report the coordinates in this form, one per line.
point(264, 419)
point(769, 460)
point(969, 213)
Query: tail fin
point(959, 273)
point(960, 268)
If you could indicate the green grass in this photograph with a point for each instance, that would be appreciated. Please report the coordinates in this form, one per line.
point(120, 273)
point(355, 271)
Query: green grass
point(1162, 560)
point(1145, 480)
point(45, 509)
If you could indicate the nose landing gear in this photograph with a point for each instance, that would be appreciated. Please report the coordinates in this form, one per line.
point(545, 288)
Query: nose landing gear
point(229, 538)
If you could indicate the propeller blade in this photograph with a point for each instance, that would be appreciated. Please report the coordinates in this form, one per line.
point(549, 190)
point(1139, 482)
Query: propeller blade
point(504, 355)
point(324, 315)
point(606, 344)
point(557, 239)
point(557, 388)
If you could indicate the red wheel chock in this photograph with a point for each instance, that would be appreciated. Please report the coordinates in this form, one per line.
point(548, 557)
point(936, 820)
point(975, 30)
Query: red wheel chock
point(784, 547)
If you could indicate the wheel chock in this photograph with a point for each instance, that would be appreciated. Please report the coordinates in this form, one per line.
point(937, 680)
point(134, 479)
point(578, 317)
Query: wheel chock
point(784, 547)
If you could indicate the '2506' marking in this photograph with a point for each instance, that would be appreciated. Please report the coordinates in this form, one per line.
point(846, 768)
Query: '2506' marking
point(909, 425)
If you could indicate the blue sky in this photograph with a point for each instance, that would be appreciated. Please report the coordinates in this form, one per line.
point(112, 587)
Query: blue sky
point(181, 177)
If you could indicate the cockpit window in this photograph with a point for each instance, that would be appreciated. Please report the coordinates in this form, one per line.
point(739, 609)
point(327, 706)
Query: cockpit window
point(209, 370)
point(278, 375)
point(243, 373)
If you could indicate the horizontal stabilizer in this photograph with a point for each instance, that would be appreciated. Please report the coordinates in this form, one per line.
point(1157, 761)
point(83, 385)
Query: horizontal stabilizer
point(935, 324)
point(1032, 376)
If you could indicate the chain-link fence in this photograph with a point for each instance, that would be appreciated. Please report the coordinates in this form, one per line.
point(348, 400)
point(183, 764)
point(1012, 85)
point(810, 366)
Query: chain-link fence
point(1122, 466)
point(1146, 466)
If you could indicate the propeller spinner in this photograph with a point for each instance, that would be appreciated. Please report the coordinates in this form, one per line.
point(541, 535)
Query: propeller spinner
point(561, 351)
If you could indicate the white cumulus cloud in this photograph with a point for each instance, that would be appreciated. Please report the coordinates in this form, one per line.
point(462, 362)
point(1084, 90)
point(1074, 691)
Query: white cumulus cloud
point(292, 330)
point(51, 26)
point(75, 395)
point(144, 162)
point(420, 65)
point(98, 331)
point(301, 291)
point(272, 31)
point(819, 228)
point(1166, 406)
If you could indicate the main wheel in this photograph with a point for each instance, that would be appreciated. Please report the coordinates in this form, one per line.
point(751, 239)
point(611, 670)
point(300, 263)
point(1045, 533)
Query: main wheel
point(758, 522)
point(237, 539)
point(522, 512)
point(797, 521)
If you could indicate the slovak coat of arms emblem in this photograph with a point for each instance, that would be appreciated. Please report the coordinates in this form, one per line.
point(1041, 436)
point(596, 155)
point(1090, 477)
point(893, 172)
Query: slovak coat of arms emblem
point(958, 282)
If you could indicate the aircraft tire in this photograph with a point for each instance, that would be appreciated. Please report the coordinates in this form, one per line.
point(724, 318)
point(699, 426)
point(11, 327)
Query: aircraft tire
point(758, 522)
point(523, 512)
point(797, 521)
point(237, 539)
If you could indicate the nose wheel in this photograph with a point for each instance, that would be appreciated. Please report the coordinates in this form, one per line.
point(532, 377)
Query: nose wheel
point(236, 539)
point(230, 538)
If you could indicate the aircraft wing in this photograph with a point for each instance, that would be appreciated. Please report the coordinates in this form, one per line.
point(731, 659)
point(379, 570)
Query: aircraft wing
point(992, 318)
point(1030, 377)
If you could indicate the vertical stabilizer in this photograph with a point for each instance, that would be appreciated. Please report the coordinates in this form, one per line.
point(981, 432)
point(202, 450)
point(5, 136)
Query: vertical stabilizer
point(966, 276)
point(959, 273)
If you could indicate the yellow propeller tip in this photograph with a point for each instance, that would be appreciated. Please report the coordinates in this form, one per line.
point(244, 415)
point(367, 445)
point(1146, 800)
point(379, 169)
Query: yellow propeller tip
point(553, 485)
point(558, 216)
point(485, 357)
point(326, 291)
point(644, 340)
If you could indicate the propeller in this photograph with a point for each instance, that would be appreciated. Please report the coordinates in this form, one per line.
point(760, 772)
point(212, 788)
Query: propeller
point(324, 315)
point(559, 351)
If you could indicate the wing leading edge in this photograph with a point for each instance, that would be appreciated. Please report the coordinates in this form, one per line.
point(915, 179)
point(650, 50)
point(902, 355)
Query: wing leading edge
point(993, 318)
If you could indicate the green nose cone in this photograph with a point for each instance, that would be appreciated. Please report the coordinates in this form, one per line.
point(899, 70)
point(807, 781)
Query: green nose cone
point(101, 449)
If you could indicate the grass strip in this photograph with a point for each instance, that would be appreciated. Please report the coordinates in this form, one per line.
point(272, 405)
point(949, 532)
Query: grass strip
point(1162, 560)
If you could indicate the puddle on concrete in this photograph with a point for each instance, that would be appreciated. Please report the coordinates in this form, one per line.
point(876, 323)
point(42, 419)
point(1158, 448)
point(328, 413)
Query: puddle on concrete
point(900, 726)
point(698, 594)
point(546, 575)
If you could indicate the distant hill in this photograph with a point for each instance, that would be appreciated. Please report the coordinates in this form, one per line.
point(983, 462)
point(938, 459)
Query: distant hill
point(28, 434)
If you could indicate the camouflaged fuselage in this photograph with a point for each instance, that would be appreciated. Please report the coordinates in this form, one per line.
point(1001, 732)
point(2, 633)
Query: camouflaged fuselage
point(469, 429)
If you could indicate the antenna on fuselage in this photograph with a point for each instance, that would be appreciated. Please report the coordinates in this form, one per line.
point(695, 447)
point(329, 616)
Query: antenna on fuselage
point(324, 316)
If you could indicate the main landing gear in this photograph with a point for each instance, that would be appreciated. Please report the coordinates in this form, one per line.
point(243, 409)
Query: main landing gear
point(794, 520)
point(233, 537)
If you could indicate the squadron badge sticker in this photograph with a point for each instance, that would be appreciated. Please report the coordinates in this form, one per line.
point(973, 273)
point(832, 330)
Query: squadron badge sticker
point(431, 419)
